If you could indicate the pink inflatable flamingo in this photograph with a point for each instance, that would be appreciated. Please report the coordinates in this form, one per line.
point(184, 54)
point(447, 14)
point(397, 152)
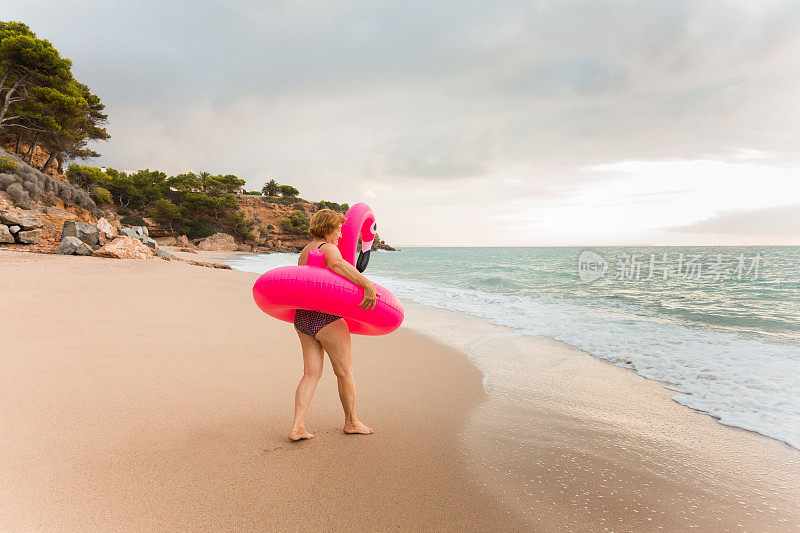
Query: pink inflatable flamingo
point(281, 291)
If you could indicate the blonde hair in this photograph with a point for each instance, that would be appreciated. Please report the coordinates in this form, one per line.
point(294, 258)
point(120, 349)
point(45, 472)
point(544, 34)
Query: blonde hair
point(324, 222)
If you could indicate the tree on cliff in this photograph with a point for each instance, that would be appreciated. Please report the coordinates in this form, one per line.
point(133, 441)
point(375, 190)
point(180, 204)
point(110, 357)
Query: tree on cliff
point(287, 191)
point(271, 188)
point(77, 124)
point(169, 215)
point(40, 100)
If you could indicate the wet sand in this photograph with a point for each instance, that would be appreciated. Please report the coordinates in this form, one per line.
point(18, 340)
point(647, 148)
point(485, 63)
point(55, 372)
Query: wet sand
point(570, 442)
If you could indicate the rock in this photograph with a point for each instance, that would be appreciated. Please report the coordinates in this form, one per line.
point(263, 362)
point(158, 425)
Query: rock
point(5, 235)
point(73, 246)
point(218, 241)
point(166, 241)
point(50, 210)
point(244, 248)
point(128, 232)
point(104, 226)
point(23, 220)
point(150, 242)
point(124, 247)
point(165, 255)
point(188, 250)
point(136, 232)
point(30, 236)
point(14, 229)
point(85, 232)
point(183, 242)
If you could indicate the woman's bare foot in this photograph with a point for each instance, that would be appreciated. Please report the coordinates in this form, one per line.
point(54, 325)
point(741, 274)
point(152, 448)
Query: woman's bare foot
point(300, 434)
point(358, 428)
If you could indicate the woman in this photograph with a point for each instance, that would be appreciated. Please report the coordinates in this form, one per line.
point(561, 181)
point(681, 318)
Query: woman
point(321, 331)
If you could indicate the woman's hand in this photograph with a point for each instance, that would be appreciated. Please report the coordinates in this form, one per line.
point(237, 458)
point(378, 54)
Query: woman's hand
point(370, 297)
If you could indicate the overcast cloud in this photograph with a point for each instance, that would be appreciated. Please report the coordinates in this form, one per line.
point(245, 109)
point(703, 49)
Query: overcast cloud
point(575, 123)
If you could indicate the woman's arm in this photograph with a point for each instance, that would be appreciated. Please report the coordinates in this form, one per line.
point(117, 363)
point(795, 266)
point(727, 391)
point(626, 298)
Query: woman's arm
point(335, 262)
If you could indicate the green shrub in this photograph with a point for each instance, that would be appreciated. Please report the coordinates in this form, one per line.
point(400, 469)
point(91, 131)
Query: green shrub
point(253, 193)
point(341, 208)
point(123, 211)
point(297, 223)
point(101, 196)
point(241, 226)
point(85, 176)
point(201, 229)
point(289, 200)
point(133, 220)
point(7, 164)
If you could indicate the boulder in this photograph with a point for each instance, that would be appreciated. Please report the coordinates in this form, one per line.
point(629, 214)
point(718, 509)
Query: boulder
point(165, 255)
point(218, 241)
point(23, 220)
point(124, 247)
point(5, 235)
point(85, 232)
point(136, 232)
point(128, 232)
point(105, 227)
point(150, 242)
point(183, 242)
point(166, 241)
point(30, 236)
point(14, 229)
point(73, 246)
point(244, 248)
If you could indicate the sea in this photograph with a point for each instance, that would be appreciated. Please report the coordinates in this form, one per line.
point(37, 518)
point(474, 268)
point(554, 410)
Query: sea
point(720, 325)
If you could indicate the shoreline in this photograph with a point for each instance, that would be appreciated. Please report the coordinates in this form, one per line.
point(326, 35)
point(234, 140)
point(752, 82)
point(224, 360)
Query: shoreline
point(653, 438)
point(602, 446)
point(162, 432)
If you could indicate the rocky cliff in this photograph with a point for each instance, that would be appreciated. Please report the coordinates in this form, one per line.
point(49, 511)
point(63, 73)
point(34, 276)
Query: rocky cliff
point(269, 217)
point(55, 201)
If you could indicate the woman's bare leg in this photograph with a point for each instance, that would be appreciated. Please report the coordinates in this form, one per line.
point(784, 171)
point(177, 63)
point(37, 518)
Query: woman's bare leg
point(312, 371)
point(335, 338)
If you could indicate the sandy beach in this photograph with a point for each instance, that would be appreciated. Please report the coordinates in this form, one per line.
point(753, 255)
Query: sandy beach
point(154, 395)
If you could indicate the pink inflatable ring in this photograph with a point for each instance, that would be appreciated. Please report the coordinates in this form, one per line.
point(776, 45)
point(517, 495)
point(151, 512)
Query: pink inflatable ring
point(281, 291)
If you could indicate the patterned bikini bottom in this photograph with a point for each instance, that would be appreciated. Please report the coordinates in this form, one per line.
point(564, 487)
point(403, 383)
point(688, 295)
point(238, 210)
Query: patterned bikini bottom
point(310, 322)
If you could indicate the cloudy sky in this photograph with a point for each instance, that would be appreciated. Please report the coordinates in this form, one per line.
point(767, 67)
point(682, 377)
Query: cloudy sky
point(464, 123)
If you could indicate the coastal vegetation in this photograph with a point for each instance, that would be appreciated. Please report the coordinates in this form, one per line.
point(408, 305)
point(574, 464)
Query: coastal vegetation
point(41, 102)
point(196, 205)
